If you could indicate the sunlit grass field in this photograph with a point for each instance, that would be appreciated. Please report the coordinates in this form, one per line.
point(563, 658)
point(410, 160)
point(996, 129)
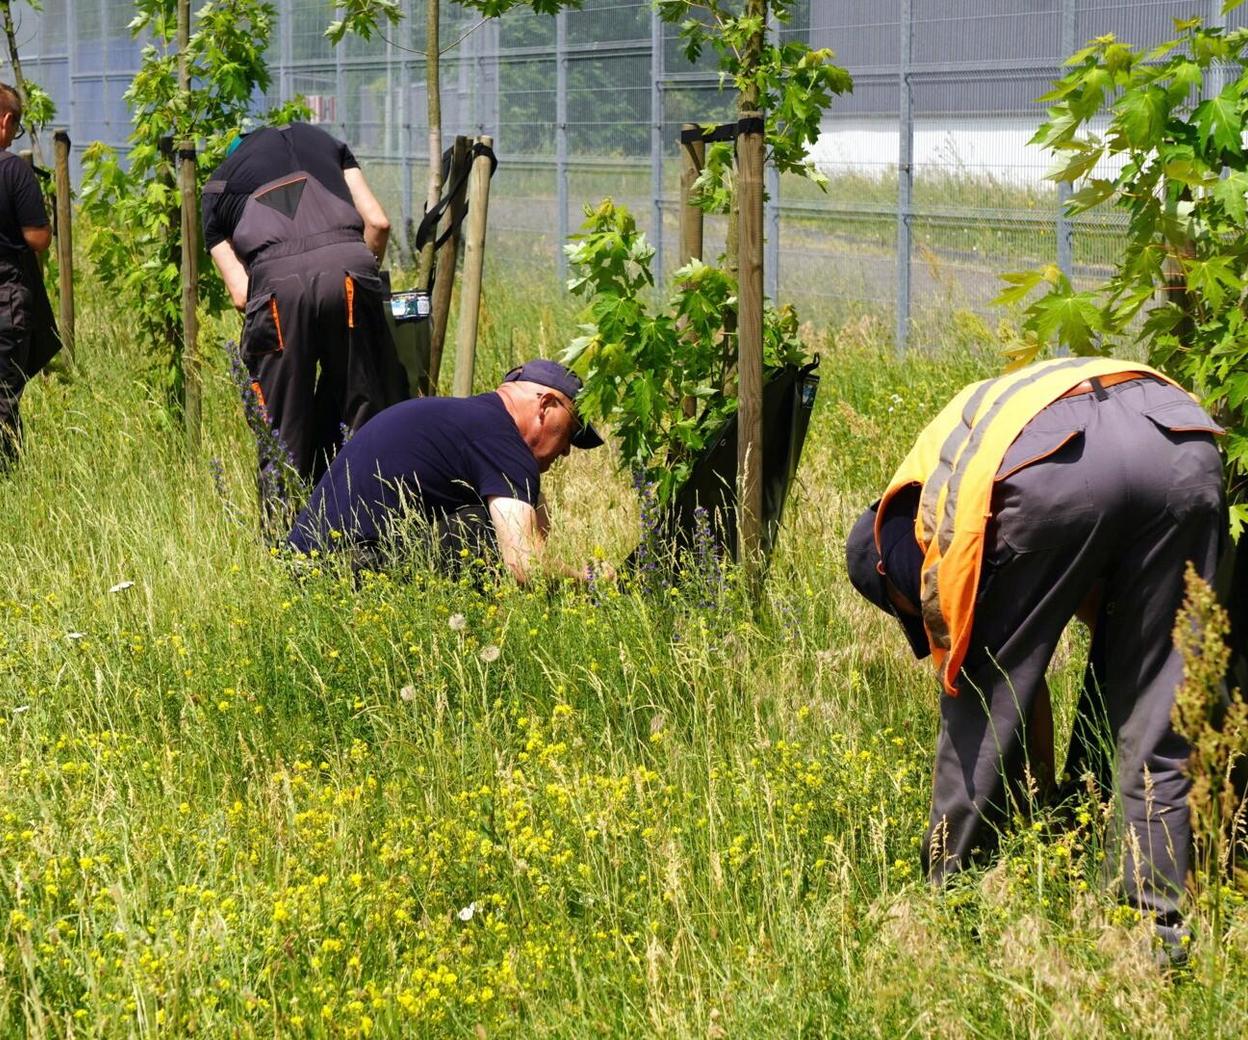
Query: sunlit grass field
point(234, 803)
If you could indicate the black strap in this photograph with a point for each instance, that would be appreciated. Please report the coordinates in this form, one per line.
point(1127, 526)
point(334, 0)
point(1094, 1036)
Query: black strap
point(1098, 388)
point(433, 217)
point(724, 131)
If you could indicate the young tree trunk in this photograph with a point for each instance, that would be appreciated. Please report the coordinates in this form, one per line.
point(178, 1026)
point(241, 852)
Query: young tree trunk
point(19, 81)
point(748, 197)
point(434, 92)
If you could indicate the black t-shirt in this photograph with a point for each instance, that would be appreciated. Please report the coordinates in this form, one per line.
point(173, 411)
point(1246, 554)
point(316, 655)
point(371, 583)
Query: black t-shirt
point(21, 203)
point(436, 453)
point(264, 155)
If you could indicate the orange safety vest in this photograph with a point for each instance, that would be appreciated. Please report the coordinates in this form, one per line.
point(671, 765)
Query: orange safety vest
point(956, 459)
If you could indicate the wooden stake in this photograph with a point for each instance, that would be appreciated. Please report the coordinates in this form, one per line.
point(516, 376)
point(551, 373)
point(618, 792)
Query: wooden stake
point(692, 158)
point(440, 304)
point(64, 239)
point(750, 347)
point(474, 263)
point(190, 291)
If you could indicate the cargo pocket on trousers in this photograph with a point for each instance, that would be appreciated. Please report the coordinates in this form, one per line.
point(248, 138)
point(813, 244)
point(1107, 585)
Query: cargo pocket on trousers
point(262, 327)
point(1195, 471)
point(1183, 415)
point(364, 295)
point(1040, 499)
point(14, 301)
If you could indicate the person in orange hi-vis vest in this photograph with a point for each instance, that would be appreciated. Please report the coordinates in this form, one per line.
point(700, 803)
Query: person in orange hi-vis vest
point(1074, 486)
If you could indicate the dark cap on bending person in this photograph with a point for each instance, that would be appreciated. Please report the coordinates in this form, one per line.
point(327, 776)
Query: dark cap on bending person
point(898, 557)
point(551, 374)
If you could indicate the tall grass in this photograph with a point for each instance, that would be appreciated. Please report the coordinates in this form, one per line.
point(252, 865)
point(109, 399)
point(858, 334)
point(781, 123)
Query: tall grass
point(239, 803)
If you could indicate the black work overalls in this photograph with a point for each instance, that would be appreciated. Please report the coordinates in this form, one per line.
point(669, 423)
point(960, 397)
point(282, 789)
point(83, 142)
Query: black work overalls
point(314, 297)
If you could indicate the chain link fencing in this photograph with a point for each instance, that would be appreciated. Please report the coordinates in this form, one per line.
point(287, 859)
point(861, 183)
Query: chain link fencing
point(932, 189)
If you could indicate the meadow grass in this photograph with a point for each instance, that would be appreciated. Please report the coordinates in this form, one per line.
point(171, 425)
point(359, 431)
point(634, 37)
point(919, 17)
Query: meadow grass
point(239, 803)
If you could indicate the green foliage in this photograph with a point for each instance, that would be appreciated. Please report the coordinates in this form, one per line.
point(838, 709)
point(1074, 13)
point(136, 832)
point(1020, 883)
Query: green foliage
point(366, 18)
point(40, 109)
point(660, 376)
point(133, 205)
point(791, 83)
point(1176, 125)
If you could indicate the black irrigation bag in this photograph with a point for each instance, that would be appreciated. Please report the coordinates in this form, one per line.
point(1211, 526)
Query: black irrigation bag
point(788, 398)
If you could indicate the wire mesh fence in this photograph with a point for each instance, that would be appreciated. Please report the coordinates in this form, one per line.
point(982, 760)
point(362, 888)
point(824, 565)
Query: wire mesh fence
point(932, 188)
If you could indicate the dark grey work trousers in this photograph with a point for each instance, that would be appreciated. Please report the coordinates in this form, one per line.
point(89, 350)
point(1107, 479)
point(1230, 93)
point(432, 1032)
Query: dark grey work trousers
point(1132, 493)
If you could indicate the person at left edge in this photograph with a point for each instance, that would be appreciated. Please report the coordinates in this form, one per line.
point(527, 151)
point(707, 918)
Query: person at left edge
point(28, 336)
point(297, 236)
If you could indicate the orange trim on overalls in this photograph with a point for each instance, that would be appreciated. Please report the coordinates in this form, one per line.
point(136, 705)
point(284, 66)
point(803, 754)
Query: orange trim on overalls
point(277, 323)
point(258, 390)
point(350, 287)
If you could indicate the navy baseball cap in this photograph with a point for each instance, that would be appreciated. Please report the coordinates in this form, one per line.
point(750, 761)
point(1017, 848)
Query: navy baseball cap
point(552, 374)
point(901, 560)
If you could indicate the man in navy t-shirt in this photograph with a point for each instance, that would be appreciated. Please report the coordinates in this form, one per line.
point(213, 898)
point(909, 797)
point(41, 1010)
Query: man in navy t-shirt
point(455, 462)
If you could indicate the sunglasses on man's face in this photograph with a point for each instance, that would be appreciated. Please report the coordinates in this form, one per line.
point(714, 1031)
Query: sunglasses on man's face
point(577, 422)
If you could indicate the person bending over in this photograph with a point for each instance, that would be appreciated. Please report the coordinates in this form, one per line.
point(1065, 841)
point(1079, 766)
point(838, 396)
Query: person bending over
point(297, 235)
point(1075, 486)
point(470, 468)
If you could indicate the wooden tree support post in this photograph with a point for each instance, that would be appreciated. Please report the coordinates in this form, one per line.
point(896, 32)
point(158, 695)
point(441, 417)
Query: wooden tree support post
point(692, 159)
point(474, 263)
point(64, 240)
point(750, 155)
point(444, 282)
point(190, 291)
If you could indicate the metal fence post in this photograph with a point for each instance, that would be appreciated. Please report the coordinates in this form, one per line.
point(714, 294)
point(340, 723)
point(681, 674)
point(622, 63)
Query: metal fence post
point(771, 189)
point(561, 143)
point(1065, 228)
point(71, 41)
point(340, 96)
point(656, 141)
point(108, 120)
point(284, 49)
point(905, 175)
point(405, 129)
point(1215, 78)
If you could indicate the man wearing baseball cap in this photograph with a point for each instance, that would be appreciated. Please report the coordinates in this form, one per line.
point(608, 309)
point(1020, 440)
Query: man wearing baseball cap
point(468, 468)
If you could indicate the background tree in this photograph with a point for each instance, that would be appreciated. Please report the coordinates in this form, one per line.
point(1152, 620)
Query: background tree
point(1157, 136)
point(643, 364)
point(37, 107)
